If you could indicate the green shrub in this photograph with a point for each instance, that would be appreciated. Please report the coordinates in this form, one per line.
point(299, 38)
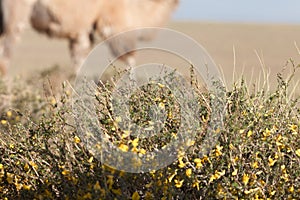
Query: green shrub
point(257, 155)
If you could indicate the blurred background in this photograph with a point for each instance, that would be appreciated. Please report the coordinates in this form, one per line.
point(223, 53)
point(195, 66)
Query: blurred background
point(242, 37)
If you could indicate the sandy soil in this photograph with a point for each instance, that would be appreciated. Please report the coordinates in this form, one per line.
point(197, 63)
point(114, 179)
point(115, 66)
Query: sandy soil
point(274, 44)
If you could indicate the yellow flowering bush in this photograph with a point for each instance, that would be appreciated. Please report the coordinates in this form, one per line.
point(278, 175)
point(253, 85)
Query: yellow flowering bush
point(256, 155)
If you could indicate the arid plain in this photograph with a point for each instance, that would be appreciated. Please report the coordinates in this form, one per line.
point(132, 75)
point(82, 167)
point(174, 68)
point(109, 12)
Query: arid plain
point(236, 49)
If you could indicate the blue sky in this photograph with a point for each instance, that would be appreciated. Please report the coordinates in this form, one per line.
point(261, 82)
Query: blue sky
point(261, 11)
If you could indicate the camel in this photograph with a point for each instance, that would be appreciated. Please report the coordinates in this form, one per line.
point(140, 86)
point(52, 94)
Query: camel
point(79, 21)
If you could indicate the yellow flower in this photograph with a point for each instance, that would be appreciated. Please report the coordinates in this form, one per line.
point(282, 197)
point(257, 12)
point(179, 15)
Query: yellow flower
point(188, 172)
point(117, 191)
point(135, 196)
point(9, 178)
point(174, 135)
point(196, 184)
point(262, 182)
point(9, 114)
point(135, 150)
point(212, 178)
point(123, 147)
point(142, 151)
point(170, 115)
point(65, 172)
point(204, 119)
point(285, 177)
point(27, 187)
point(181, 163)
point(245, 179)
point(26, 167)
point(218, 150)
point(33, 164)
point(234, 173)
point(53, 101)
point(3, 122)
point(278, 143)
point(161, 85)
point(235, 159)
point(118, 119)
point(271, 162)
point(267, 132)
point(90, 160)
point(161, 105)
point(172, 176)
point(1, 174)
point(222, 173)
point(247, 191)
point(190, 143)
point(272, 193)
point(216, 176)
point(180, 153)
point(249, 133)
point(76, 139)
point(178, 183)
point(135, 142)
point(198, 163)
point(125, 134)
point(157, 99)
point(298, 152)
point(293, 128)
point(1, 166)
point(251, 190)
point(19, 186)
point(255, 165)
point(279, 137)
point(204, 159)
point(291, 189)
point(220, 190)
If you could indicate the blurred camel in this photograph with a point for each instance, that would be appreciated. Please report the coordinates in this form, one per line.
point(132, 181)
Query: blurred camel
point(79, 21)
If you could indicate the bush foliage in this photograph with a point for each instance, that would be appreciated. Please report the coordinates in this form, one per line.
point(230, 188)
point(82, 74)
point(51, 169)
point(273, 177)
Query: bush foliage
point(257, 155)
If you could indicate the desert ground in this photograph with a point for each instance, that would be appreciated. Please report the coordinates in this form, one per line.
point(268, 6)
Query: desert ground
point(237, 49)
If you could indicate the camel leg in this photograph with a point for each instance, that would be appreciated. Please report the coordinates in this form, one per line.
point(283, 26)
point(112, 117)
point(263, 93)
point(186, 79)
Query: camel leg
point(79, 48)
point(8, 43)
point(123, 47)
point(3, 68)
point(9, 33)
point(14, 15)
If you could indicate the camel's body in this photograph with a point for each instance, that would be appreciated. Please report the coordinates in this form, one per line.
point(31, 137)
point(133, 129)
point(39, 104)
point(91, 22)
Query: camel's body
point(78, 21)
